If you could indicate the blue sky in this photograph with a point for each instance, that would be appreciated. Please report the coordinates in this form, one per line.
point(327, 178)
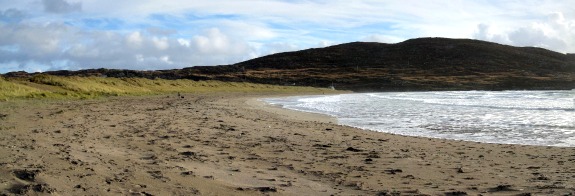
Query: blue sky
point(43, 35)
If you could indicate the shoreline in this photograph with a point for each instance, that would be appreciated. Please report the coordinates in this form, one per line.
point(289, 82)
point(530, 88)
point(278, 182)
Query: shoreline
point(456, 136)
point(225, 144)
point(297, 115)
point(290, 114)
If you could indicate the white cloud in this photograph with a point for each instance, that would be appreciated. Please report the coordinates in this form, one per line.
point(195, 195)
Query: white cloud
point(272, 48)
point(484, 33)
point(382, 38)
point(166, 59)
point(139, 58)
point(161, 43)
point(532, 36)
point(553, 32)
point(213, 41)
point(83, 51)
point(134, 39)
point(184, 42)
point(55, 46)
point(34, 42)
point(324, 43)
point(134, 34)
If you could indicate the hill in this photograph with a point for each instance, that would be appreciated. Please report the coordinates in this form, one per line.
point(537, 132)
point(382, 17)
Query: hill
point(421, 64)
point(416, 64)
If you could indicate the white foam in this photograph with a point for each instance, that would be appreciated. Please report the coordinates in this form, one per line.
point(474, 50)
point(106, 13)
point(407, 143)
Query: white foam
point(518, 117)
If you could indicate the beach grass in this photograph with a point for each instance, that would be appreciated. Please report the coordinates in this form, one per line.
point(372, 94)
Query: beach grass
point(44, 86)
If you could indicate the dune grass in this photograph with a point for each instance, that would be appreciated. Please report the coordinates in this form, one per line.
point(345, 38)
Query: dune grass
point(11, 89)
point(57, 87)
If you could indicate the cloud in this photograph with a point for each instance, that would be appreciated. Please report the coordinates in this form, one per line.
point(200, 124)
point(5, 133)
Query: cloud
point(214, 41)
point(12, 15)
point(529, 36)
point(278, 47)
point(33, 41)
point(381, 38)
point(57, 46)
point(552, 31)
point(483, 33)
point(134, 40)
point(134, 34)
point(161, 43)
point(61, 6)
point(160, 31)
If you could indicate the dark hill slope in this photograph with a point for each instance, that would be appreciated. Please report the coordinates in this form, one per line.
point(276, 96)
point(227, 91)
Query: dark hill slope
point(417, 64)
point(423, 53)
point(421, 64)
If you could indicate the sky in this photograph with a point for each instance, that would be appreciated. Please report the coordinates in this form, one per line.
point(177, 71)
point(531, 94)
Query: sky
point(47, 35)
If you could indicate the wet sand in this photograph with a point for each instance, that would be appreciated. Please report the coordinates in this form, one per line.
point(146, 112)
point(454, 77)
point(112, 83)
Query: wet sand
point(231, 144)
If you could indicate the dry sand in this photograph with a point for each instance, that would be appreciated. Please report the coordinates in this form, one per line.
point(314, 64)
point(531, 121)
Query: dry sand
point(228, 144)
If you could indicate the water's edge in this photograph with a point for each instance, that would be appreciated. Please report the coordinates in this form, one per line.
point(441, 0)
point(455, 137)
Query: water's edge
point(543, 118)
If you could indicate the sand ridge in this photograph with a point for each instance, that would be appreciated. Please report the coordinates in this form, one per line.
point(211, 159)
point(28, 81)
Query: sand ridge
point(226, 144)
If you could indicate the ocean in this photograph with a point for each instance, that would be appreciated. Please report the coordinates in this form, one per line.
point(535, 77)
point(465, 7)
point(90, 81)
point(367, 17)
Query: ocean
point(544, 118)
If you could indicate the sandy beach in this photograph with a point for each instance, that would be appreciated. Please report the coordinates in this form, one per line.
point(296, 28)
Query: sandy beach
point(232, 144)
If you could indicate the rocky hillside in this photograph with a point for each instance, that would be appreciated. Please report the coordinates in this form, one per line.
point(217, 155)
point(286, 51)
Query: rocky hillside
point(416, 64)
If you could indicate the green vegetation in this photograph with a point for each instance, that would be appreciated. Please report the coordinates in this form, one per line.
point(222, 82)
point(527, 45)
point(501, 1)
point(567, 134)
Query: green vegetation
point(57, 87)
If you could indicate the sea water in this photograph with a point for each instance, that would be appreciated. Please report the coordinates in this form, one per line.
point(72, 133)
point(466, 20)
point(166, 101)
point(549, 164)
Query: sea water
point(545, 118)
